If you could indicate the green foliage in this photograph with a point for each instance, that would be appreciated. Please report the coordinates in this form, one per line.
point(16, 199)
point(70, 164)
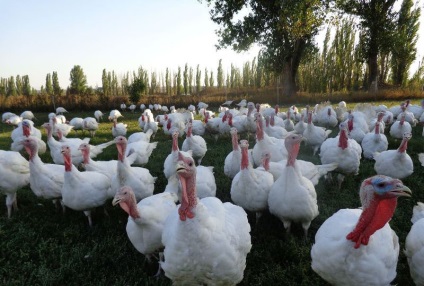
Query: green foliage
point(11, 91)
point(185, 79)
point(26, 86)
point(136, 90)
point(18, 85)
point(179, 86)
point(220, 75)
point(206, 78)
point(49, 85)
point(78, 80)
point(198, 77)
point(57, 90)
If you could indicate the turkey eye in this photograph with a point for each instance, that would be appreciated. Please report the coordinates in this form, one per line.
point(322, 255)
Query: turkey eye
point(381, 185)
point(191, 164)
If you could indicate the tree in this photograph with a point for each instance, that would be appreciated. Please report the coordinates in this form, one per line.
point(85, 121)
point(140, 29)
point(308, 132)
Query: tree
point(136, 89)
point(377, 20)
point(206, 78)
point(185, 79)
point(78, 80)
point(190, 80)
point(105, 83)
point(57, 90)
point(18, 85)
point(198, 76)
point(26, 86)
point(153, 83)
point(49, 85)
point(179, 87)
point(406, 36)
point(212, 81)
point(11, 91)
point(168, 82)
point(220, 75)
point(283, 29)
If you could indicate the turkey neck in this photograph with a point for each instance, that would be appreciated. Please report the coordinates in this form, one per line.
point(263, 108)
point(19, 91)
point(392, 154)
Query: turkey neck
point(309, 118)
point(188, 197)
point(293, 151)
point(343, 139)
point(272, 120)
point(130, 206)
point(377, 129)
point(235, 142)
point(32, 152)
point(26, 130)
point(259, 131)
point(174, 142)
point(121, 152)
point(86, 156)
point(189, 131)
point(372, 218)
point(68, 162)
point(350, 124)
point(403, 146)
point(267, 122)
point(265, 163)
point(244, 158)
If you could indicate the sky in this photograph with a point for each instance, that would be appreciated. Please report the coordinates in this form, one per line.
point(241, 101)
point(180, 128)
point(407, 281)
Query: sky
point(39, 37)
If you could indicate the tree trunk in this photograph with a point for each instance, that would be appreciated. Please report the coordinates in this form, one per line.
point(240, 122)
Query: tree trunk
point(373, 73)
point(289, 83)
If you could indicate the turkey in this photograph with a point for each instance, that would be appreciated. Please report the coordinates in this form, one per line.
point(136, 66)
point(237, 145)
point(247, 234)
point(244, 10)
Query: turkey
point(123, 106)
point(195, 143)
point(147, 218)
point(414, 248)
point(83, 191)
point(274, 130)
point(7, 115)
point(142, 149)
point(24, 130)
point(315, 135)
point(399, 128)
point(63, 127)
point(233, 159)
point(28, 115)
point(77, 123)
point(250, 187)
point(14, 120)
point(374, 142)
point(140, 136)
point(114, 114)
point(344, 151)
point(265, 144)
point(60, 110)
point(46, 180)
point(357, 246)
point(421, 158)
point(212, 126)
point(119, 129)
point(14, 175)
point(356, 132)
point(132, 107)
point(90, 124)
point(198, 127)
point(206, 241)
point(395, 163)
point(409, 116)
point(151, 125)
point(292, 197)
point(98, 115)
point(138, 178)
point(327, 117)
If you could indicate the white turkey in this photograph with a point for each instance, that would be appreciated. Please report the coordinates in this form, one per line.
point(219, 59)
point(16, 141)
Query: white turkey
point(327, 117)
point(151, 125)
point(198, 127)
point(206, 241)
point(344, 151)
point(140, 136)
point(14, 120)
point(250, 187)
point(357, 246)
point(146, 218)
point(212, 126)
point(60, 110)
point(63, 127)
point(28, 115)
point(46, 180)
point(83, 191)
point(395, 163)
point(233, 159)
point(292, 197)
point(142, 149)
point(265, 144)
point(119, 129)
point(123, 106)
point(409, 116)
point(77, 123)
point(24, 130)
point(90, 124)
point(414, 247)
point(132, 107)
point(400, 127)
point(315, 135)
point(14, 175)
point(274, 130)
point(98, 115)
point(195, 143)
point(138, 178)
point(114, 114)
point(374, 142)
point(356, 132)
point(5, 116)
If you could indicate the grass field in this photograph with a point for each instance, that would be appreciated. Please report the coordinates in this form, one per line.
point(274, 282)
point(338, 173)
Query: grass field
point(42, 246)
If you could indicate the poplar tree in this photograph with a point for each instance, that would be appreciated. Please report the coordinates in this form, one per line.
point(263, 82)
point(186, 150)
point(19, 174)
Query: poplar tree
point(49, 85)
point(206, 78)
point(198, 78)
point(212, 80)
point(404, 48)
point(57, 90)
point(26, 86)
point(179, 79)
point(78, 80)
point(105, 83)
point(18, 85)
point(220, 74)
point(11, 91)
point(185, 79)
point(190, 80)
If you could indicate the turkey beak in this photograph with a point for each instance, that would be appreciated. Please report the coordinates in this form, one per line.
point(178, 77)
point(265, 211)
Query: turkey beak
point(116, 200)
point(401, 190)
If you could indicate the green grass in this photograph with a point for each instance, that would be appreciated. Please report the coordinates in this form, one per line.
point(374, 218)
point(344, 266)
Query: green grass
point(41, 246)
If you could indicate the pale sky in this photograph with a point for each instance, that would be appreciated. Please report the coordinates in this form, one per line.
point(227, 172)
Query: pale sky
point(39, 37)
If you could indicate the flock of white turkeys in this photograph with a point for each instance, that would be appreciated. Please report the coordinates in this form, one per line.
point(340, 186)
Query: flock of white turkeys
point(197, 238)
